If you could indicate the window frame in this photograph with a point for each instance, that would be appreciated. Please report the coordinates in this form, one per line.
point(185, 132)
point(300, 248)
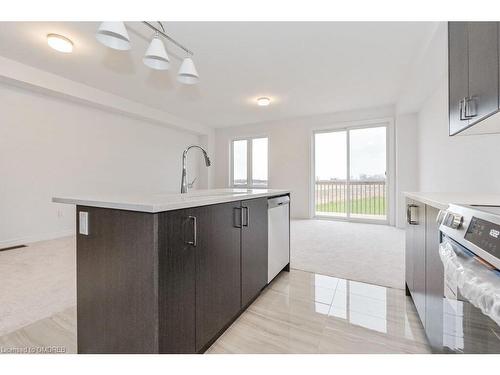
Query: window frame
point(249, 184)
point(390, 167)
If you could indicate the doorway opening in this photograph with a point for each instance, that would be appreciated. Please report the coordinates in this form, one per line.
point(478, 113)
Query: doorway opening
point(350, 173)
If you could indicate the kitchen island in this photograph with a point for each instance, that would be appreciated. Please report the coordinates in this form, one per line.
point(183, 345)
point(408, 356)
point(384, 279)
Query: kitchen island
point(167, 273)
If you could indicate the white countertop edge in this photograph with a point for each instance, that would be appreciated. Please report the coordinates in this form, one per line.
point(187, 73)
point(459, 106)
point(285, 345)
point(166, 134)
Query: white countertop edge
point(167, 206)
point(443, 200)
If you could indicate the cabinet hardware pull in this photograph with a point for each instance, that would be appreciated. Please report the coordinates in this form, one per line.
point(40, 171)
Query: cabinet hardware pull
point(470, 102)
point(236, 225)
point(247, 217)
point(461, 109)
point(408, 214)
point(194, 242)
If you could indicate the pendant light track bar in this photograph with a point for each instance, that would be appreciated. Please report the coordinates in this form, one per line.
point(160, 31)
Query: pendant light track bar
point(162, 33)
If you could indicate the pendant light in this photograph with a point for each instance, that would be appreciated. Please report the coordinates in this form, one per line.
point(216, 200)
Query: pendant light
point(187, 72)
point(156, 56)
point(113, 35)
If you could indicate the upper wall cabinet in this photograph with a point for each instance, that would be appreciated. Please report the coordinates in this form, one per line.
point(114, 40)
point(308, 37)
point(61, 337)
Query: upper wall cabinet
point(474, 70)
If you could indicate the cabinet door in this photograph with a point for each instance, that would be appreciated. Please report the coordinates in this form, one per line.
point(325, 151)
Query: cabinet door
point(434, 282)
point(176, 297)
point(253, 248)
point(483, 69)
point(218, 283)
point(419, 262)
point(458, 66)
point(409, 249)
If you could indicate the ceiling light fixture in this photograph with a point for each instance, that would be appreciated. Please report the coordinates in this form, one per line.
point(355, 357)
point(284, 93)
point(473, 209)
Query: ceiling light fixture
point(60, 43)
point(114, 35)
point(187, 72)
point(156, 56)
point(263, 101)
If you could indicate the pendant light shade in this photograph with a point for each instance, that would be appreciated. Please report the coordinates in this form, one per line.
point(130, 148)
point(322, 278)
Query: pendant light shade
point(113, 35)
point(156, 56)
point(187, 72)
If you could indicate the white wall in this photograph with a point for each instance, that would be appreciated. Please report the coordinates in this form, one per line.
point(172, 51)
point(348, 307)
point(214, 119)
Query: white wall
point(458, 163)
point(406, 162)
point(51, 146)
point(445, 164)
point(289, 150)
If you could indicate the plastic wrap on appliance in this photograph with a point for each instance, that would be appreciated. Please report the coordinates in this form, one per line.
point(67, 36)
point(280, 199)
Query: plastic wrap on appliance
point(478, 284)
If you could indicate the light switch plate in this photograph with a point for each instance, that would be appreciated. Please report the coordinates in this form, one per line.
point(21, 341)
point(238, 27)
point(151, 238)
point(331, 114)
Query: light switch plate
point(83, 223)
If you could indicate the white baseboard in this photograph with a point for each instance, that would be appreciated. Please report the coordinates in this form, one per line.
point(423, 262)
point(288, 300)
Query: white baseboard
point(36, 238)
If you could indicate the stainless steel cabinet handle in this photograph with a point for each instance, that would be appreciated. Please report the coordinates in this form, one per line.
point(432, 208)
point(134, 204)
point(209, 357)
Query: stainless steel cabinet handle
point(194, 242)
point(409, 219)
point(462, 108)
point(247, 216)
point(470, 107)
point(238, 225)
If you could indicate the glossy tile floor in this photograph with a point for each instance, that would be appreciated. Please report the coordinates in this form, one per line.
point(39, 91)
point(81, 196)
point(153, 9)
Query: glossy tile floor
point(300, 312)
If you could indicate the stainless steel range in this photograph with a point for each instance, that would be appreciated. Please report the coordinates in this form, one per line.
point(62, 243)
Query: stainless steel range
point(470, 252)
point(475, 227)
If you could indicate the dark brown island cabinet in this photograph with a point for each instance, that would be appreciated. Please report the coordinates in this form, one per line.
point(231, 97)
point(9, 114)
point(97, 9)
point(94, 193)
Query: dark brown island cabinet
point(168, 282)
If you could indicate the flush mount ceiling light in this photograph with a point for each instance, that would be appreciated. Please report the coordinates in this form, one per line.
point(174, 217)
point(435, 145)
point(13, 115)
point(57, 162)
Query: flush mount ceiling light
point(60, 43)
point(114, 35)
point(263, 101)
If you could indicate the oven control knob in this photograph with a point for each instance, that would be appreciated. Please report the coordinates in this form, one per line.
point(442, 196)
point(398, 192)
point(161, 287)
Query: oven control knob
point(453, 220)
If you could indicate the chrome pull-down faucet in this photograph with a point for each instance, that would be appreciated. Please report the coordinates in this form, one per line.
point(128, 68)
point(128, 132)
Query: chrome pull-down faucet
point(184, 183)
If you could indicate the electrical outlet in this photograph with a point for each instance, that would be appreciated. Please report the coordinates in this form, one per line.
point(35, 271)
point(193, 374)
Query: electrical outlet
point(60, 213)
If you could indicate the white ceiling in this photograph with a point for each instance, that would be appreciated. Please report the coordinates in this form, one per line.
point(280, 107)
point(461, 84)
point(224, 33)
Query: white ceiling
point(306, 68)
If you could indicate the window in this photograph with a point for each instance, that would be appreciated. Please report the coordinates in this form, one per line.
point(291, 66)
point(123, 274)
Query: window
point(350, 173)
point(249, 162)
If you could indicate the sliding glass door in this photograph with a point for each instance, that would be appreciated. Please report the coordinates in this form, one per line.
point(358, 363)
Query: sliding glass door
point(331, 173)
point(350, 173)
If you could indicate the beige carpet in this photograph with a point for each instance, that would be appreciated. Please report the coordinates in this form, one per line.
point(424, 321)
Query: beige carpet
point(36, 282)
point(369, 253)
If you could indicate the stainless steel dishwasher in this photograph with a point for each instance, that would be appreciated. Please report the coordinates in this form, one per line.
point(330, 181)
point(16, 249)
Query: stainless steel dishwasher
point(278, 235)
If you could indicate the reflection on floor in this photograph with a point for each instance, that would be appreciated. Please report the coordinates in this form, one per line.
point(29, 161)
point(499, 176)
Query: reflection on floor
point(300, 312)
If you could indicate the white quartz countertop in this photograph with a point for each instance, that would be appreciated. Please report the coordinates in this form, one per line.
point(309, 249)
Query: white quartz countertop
point(442, 200)
point(167, 201)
